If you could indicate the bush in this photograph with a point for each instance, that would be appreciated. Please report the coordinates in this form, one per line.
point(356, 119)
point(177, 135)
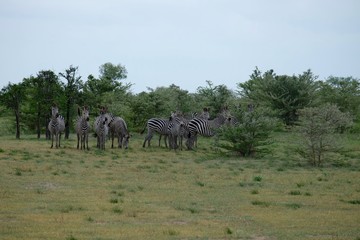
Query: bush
point(248, 132)
point(318, 127)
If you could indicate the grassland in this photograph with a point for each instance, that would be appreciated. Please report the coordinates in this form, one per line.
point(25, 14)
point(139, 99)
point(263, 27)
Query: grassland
point(155, 193)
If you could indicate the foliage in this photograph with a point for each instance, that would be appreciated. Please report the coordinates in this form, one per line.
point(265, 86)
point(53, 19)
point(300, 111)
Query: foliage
point(249, 133)
point(72, 89)
point(43, 90)
point(344, 92)
point(282, 93)
point(12, 96)
point(214, 97)
point(317, 127)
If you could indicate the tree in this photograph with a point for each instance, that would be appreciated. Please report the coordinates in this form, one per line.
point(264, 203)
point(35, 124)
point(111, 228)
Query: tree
point(109, 81)
point(215, 97)
point(284, 94)
point(12, 96)
point(317, 127)
point(249, 132)
point(344, 92)
point(43, 91)
point(72, 91)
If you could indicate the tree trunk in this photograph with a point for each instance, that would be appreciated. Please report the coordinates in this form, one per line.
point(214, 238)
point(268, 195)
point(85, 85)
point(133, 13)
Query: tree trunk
point(17, 116)
point(67, 125)
point(38, 125)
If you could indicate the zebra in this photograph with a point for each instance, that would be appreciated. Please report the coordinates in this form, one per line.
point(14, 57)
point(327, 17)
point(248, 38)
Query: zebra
point(205, 127)
point(82, 128)
point(175, 130)
point(205, 114)
point(56, 126)
point(101, 129)
point(119, 129)
point(157, 125)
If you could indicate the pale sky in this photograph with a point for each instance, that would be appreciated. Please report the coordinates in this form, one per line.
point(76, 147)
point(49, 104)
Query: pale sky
point(181, 42)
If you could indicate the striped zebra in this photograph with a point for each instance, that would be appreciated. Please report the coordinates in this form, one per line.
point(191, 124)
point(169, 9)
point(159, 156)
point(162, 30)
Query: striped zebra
point(56, 126)
point(160, 126)
point(156, 125)
point(82, 128)
point(205, 114)
point(118, 128)
point(101, 129)
point(206, 128)
point(176, 128)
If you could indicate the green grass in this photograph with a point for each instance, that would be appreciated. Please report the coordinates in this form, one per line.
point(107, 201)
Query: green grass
point(156, 193)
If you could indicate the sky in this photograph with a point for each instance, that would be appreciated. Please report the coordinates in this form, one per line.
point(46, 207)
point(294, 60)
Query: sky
point(181, 42)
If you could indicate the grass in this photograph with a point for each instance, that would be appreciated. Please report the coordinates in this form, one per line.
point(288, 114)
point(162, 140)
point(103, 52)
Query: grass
point(155, 193)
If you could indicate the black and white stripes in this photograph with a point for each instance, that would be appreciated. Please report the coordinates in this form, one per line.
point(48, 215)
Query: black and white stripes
point(82, 128)
point(56, 126)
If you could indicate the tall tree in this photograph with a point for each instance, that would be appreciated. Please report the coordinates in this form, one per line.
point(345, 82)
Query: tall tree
point(12, 96)
point(44, 89)
point(283, 94)
point(342, 91)
point(72, 90)
point(109, 81)
point(215, 97)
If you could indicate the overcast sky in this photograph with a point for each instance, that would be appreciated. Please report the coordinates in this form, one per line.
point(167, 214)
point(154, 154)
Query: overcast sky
point(181, 42)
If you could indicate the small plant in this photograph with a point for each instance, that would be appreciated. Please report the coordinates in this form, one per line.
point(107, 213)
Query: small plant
point(171, 232)
point(293, 205)
point(299, 185)
point(255, 191)
point(18, 172)
point(260, 203)
point(295, 192)
point(257, 178)
point(228, 231)
point(354, 201)
point(114, 200)
point(90, 219)
point(201, 184)
point(118, 210)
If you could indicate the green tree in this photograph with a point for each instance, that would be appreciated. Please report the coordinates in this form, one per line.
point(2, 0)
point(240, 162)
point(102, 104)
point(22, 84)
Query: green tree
point(43, 90)
point(344, 92)
point(317, 127)
point(72, 89)
point(98, 90)
point(283, 94)
point(215, 97)
point(12, 96)
point(249, 132)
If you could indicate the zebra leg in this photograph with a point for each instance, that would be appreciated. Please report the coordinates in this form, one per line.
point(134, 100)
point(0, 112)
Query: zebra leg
point(57, 140)
point(120, 139)
point(166, 140)
point(148, 139)
point(160, 140)
point(78, 139)
point(112, 139)
point(87, 141)
point(52, 140)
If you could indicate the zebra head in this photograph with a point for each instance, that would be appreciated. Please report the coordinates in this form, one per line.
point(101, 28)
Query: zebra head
point(126, 140)
point(205, 114)
point(54, 111)
point(85, 113)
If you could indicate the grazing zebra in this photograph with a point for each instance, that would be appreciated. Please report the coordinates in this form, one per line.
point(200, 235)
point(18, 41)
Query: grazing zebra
point(101, 129)
point(119, 129)
point(82, 128)
point(56, 126)
point(206, 128)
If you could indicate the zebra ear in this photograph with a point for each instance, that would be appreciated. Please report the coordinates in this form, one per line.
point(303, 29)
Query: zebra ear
point(79, 111)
